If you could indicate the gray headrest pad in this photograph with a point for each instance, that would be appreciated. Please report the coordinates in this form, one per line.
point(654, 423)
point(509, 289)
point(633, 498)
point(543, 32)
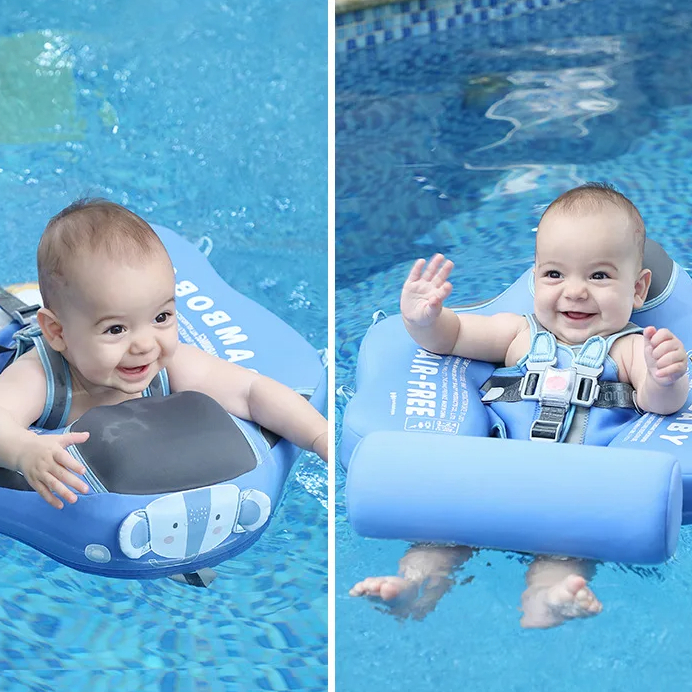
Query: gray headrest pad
point(656, 259)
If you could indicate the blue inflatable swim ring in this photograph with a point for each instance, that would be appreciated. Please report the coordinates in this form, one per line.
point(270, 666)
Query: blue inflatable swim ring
point(150, 534)
point(421, 465)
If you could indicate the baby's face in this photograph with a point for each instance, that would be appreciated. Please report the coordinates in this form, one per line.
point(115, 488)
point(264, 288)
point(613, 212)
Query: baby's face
point(119, 322)
point(587, 274)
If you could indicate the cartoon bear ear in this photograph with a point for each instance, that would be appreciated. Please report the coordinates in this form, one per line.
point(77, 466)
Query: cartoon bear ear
point(133, 535)
point(255, 508)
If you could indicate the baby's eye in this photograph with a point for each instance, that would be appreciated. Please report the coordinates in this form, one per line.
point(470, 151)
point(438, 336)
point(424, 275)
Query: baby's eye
point(553, 274)
point(599, 276)
point(162, 317)
point(115, 330)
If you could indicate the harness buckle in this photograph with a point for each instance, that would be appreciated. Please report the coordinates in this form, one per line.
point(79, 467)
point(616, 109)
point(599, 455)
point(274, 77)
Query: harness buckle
point(586, 388)
point(545, 431)
point(532, 383)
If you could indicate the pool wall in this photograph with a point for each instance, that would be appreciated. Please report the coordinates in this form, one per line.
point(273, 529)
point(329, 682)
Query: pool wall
point(369, 26)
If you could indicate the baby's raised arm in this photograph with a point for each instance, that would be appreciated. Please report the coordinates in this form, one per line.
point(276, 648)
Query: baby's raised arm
point(41, 459)
point(658, 371)
point(440, 330)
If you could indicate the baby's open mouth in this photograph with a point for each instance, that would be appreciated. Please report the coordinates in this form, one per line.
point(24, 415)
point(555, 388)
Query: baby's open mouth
point(578, 315)
point(134, 371)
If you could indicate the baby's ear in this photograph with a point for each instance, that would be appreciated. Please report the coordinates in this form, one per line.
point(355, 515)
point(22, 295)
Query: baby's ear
point(51, 329)
point(641, 287)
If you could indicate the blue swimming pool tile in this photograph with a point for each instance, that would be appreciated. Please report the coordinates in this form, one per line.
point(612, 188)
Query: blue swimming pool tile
point(432, 15)
point(415, 17)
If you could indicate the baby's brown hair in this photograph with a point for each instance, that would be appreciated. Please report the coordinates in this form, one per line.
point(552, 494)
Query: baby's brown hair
point(90, 226)
point(593, 197)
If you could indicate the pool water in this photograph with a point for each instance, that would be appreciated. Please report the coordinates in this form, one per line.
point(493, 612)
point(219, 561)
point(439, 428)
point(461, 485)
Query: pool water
point(456, 143)
point(209, 118)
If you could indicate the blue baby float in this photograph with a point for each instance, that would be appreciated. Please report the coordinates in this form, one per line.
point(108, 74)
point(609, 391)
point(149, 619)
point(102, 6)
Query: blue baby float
point(176, 483)
point(423, 464)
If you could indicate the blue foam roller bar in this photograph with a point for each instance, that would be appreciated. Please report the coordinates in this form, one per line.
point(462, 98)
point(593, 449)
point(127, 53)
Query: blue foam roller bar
point(607, 504)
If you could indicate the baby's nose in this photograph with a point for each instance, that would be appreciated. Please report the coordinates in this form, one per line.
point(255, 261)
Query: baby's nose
point(142, 343)
point(576, 289)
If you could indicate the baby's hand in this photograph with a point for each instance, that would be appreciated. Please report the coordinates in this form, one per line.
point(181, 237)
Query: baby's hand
point(47, 467)
point(425, 291)
point(665, 356)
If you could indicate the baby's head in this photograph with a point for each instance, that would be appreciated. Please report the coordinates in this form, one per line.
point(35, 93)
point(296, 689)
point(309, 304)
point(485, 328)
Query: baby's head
point(108, 287)
point(84, 236)
point(588, 269)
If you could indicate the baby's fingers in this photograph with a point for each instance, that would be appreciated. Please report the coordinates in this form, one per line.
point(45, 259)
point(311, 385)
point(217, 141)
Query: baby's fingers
point(68, 478)
point(440, 296)
point(67, 464)
point(44, 491)
point(438, 267)
point(670, 348)
point(416, 270)
point(72, 438)
point(671, 373)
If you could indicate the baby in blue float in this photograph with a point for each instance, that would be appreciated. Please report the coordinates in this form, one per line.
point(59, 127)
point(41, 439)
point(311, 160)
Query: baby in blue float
point(588, 279)
point(108, 289)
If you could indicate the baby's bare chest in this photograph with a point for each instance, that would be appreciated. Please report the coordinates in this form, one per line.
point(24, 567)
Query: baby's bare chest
point(83, 401)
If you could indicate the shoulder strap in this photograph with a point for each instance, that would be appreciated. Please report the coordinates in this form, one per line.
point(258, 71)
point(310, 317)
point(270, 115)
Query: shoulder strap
point(159, 386)
point(58, 386)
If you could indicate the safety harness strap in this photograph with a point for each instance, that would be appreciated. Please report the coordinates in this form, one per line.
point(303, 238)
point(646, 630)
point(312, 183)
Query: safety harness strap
point(159, 386)
point(557, 391)
point(58, 387)
point(503, 388)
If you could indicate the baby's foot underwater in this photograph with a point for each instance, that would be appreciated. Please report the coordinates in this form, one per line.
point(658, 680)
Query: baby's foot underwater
point(549, 606)
point(396, 592)
point(404, 597)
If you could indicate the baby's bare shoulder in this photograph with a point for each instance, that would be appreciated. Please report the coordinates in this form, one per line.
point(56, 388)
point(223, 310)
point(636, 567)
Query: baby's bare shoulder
point(23, 388)
point(627, 352)
point(521, 342)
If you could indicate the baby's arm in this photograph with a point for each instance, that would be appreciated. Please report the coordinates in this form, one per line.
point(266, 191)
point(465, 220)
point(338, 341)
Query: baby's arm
point(440, 330)
point(41, 459)
point(658, 371)
point(251, 396)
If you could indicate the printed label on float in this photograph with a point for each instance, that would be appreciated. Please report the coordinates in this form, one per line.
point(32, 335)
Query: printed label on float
point(436, 393)
point(435, 425)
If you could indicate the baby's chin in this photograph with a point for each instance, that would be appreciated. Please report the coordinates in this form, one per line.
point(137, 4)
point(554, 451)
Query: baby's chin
point(573, 329)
